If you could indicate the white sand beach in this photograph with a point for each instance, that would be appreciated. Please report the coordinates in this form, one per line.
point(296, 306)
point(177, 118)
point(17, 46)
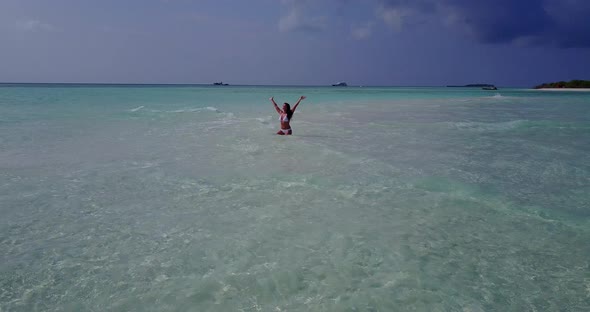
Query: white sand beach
point(565, 89)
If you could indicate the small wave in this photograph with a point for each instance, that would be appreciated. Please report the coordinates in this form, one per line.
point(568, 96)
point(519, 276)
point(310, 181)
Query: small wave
point(489, 126)
point(518, 124)
point(251, 149)
point(188, 110)
point(213, 109)
point(136, 109)
point(191, 110)
point(286, 184)
point(264, 120)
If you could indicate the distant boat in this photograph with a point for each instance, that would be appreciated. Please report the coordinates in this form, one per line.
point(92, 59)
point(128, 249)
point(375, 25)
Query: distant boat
point(473, 85)
point(489, 88)
point(220, 84)
point(340, 84)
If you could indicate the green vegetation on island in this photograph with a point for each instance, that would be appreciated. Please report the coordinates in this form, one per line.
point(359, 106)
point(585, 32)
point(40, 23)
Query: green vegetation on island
point(565, 84)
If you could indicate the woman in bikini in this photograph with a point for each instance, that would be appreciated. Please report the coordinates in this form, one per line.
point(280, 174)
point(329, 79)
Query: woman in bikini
point(285, 115)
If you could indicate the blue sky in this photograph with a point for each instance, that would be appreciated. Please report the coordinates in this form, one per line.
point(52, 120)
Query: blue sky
point(309, 42)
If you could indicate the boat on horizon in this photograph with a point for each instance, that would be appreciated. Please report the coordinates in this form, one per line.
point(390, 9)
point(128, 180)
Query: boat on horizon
point(220, 84)
point(489, 88)
point(340, 84)
point(473, 85)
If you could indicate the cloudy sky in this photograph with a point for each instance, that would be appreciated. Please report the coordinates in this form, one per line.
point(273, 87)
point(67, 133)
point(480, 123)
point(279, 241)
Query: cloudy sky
point(309, 42)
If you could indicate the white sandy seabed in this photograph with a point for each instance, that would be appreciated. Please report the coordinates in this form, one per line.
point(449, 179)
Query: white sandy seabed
point(471, 204)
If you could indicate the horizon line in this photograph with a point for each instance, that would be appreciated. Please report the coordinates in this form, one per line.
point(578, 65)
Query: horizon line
point(235, 85)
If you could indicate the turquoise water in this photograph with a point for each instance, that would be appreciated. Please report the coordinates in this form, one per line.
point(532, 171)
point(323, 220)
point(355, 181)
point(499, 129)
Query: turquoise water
point(181, 198)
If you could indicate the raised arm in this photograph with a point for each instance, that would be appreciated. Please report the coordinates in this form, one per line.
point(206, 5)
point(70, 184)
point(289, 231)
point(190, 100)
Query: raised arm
point(297, 104)
point(272, 99)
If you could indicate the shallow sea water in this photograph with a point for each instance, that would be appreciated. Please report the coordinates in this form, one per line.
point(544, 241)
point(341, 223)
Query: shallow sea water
point(170, 198)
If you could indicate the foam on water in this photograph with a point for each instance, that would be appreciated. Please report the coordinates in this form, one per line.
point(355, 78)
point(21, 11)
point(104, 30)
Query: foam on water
point(483, 126)
point(385, 199)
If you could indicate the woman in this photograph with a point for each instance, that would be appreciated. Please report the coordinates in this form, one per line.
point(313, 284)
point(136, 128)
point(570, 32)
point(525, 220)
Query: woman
point(285, 115)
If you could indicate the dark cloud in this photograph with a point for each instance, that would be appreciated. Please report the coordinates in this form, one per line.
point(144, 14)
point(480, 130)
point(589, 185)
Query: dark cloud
point(565, 23)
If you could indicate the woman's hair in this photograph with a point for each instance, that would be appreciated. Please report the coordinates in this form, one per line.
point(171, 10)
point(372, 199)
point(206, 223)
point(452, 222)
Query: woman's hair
point(288, 111)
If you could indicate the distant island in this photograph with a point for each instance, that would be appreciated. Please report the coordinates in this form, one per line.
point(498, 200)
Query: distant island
point(477, 85)
point(573, 84)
